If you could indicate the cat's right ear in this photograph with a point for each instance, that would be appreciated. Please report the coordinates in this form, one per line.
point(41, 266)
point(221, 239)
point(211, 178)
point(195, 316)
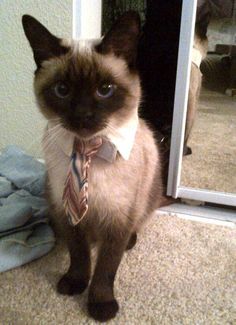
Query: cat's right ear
point(122, 38)
point(43, 43)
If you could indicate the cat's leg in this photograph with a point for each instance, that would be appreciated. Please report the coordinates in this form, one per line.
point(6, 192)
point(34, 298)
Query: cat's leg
point(102, 304)
point(193, 95)
point(132, 241)
point(76, 280)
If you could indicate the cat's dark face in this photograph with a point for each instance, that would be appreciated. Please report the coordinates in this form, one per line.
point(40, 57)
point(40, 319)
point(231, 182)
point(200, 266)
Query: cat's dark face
point(86, 87)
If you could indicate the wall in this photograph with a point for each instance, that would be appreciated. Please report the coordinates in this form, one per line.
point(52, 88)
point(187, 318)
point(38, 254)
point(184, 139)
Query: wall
point(20, 121)
point(221, 31)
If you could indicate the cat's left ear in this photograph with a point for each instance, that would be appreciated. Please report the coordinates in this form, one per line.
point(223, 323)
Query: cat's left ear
point(43, 43)
point(122, 38)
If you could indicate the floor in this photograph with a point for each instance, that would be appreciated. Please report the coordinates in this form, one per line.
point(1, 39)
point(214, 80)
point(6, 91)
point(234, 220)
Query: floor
point(212, 164)
point(179, 272)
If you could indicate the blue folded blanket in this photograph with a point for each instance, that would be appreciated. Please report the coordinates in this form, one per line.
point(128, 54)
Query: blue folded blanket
point(24, 231)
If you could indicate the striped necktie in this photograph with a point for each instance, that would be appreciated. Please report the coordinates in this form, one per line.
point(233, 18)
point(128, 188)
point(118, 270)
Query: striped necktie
point(75, 195)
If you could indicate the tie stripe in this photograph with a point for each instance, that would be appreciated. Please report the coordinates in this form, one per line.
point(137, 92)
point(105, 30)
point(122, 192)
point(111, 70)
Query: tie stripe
point(75, 195)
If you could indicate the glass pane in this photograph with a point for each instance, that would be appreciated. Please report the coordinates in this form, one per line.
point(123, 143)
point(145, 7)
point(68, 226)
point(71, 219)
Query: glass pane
point(210, 151)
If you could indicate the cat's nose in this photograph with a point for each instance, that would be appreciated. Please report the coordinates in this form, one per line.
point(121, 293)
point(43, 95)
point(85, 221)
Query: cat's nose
point(84, 116)
point(87, 120)
point(88, 117)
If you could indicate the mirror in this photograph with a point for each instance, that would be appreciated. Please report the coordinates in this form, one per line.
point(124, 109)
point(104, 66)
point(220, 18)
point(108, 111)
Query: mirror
point(209, 160)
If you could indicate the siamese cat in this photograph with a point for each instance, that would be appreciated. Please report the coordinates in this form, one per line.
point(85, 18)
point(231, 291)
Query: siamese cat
point(199, 52)
point(206, 9)
point(90, 91)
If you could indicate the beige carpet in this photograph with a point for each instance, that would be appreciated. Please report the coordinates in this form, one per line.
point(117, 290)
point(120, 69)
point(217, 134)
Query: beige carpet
point(180, 272)
point(213, 141)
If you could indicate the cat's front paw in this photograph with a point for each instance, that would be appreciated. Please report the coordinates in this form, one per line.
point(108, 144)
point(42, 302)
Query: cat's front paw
point(103, 311)
point(187, 151)
point(68, 285)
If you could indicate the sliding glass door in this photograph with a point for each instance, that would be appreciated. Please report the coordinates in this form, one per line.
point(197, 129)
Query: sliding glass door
point(209, 173)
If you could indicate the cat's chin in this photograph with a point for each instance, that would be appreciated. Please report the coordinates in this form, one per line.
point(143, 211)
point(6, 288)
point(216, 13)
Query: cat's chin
point(85, 134)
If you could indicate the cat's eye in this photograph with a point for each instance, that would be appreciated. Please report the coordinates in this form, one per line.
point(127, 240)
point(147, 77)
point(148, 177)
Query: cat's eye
point(61, 89)
point(105, 90)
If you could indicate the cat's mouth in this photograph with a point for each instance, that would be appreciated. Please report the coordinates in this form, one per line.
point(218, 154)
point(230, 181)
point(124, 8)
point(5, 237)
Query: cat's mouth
point(85, 133)
point(82, 131)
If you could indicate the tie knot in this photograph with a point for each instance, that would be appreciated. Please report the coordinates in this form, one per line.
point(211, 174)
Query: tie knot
point(88, 148)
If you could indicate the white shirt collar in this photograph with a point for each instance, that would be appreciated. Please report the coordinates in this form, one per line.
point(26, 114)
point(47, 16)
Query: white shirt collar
point(121, 139)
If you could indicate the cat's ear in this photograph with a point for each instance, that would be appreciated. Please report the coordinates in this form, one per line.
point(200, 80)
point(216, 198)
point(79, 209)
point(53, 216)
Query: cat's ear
point(122, 38)
point(43, 43)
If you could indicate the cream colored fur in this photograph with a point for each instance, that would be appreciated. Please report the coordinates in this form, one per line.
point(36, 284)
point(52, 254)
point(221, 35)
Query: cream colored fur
point(194, 87)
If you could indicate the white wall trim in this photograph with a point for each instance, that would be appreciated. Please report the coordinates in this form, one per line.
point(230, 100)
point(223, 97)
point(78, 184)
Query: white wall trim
point(87, 19)
point(181, 94)
point(207, 214)
point(207, 196)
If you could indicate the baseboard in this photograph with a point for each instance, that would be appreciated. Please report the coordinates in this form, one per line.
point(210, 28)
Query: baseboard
point(207, 214)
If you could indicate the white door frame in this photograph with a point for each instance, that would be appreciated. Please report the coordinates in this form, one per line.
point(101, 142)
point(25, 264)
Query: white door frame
point(181, 94)
point(87, 19)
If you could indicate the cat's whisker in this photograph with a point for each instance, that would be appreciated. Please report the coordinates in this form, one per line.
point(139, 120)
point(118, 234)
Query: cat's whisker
point(49, 143)
point(36, 139)
point(49, 139)
point(58, 125)
point(55, 119)
point(37, 149)
point(112, 128)
point(53, 133)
